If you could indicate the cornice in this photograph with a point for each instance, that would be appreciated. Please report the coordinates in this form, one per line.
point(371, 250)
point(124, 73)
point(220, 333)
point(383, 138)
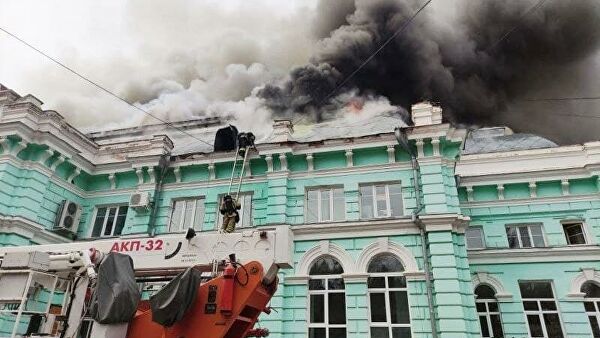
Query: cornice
point(566, 160)
point(351, 229)
point(29, 229)
point(535, 255)
point(530, 200)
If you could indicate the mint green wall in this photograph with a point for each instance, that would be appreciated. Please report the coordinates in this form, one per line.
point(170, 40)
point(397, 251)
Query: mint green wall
point(574, 320)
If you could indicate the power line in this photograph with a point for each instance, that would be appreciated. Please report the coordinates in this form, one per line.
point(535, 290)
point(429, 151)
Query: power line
point(99, 86)
point(516, 26)
point(580, 98)
point(364, 63)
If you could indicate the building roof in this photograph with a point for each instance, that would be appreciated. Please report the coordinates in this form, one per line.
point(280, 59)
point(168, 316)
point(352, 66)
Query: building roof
point(500, 139)
point(205, 130)
point(345, 127)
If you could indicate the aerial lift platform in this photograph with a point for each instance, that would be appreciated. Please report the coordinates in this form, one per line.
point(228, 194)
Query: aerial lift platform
point(49, 285)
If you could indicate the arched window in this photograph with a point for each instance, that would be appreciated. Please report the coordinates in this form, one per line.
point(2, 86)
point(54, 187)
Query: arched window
point(592, 306)
point(388, 298)
point(488, 311)
point(327, 299)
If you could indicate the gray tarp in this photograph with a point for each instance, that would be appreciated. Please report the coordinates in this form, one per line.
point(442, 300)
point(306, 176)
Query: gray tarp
point(171, 303)
point(116, 295)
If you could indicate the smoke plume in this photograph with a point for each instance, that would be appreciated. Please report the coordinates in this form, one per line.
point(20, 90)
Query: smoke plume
point(253, 63)
point(468, 63)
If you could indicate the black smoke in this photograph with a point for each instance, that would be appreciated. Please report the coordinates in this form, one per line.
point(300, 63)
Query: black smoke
point(468, 64)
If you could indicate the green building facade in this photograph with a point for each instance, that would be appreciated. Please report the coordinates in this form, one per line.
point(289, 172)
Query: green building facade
point(497, 236)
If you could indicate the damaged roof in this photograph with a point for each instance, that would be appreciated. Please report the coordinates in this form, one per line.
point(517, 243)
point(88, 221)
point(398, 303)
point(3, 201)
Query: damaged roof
point(348, 127)
point(206, 129)
point(500, 139)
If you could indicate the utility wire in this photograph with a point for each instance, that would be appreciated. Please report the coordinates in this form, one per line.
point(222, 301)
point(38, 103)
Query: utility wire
point(367, 60)
point(580, 98)
point(517, 25)
point(95, 84)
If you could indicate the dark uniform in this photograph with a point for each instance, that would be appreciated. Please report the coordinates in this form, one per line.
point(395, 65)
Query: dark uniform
point(229, 209)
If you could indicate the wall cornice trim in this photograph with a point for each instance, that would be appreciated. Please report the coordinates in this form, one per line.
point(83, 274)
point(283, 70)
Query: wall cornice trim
point(534, 255)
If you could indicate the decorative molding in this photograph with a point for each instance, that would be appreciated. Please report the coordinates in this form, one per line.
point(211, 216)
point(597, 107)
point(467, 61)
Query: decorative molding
point(586, 275)
point(74, 174)
point(352, 229)
point(532, 190)
point(383, 245)
point(58, 162)
point(500, 189)
point(349, 159)
point(177, 173)
point(564, 183)
point(113, 181)
point(269, 160)
point(420, 144)
point(355, 277)
point(309, 161)
point(445, 222)
point(45, 156)
point(391, 151)
point(5, 143)
point(522, 201)
point(296, 280)
point(324, 248)
point(18, 147)
point(140, 175)
point(485, 278)
point(470, 197)
point(29, 229)
point(435, 142)
point(283, 162)
point(151, 174)
point(211, 171)
point(534, 255)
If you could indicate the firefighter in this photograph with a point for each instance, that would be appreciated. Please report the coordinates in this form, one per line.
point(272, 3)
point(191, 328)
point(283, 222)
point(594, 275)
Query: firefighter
point(245, 141)
point(229, 209)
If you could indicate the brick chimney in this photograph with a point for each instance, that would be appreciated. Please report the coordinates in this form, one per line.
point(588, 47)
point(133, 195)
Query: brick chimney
point(425, 114)
point(282, 131)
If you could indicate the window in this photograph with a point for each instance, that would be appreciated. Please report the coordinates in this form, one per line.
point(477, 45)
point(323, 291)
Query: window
point(525, 236)
point(574, 233)
point(325, 205)
point(388, 298)
point(488, 311)
point(187, 213)
point(381, 200)
point(85, 328)
point(474, 237)
point(245, 211)
point(109, 221)
point(540, 309)
point(592, 306)
point(327, 299)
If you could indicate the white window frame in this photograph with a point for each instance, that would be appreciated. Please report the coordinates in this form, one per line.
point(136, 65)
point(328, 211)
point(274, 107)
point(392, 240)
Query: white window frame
point(325, 292)
point(520, 241)
point(488, 314)
point(320, 190)
point(583, 231)
point(181, 226)
point(388, 201)
point(108, 207)
point(596, 313)
point(481, 234)
point(540, 313)
point(241, 212)
point(388, 313)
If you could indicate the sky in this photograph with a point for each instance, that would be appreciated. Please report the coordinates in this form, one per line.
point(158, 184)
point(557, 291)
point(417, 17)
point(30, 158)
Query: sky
point(181, 59)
